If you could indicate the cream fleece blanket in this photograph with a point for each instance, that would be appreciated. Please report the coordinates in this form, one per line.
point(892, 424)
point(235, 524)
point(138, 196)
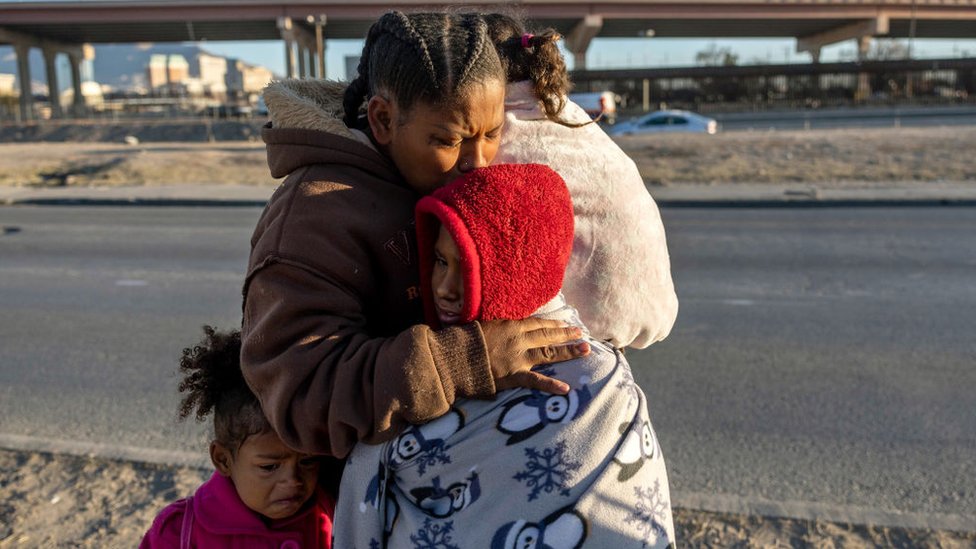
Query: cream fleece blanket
point(619, 276)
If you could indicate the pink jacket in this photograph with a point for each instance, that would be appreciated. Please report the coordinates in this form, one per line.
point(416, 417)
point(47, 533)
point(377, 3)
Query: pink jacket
point(218, 518)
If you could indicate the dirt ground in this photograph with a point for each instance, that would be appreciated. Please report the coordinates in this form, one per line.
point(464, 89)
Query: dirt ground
point(100, 503)
point(825, 157)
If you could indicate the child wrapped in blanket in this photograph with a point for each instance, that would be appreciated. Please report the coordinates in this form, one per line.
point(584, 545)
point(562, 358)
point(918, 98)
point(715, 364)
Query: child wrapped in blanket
point(527, 469)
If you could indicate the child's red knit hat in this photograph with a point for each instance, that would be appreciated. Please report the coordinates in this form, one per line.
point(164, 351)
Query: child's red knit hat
point(513, 225)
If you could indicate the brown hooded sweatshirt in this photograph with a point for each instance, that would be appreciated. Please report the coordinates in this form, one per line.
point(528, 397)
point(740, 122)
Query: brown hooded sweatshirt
point(331, 344)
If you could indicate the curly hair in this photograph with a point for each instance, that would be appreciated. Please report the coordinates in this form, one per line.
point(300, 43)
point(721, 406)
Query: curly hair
point(422, 57)
point(213, 383)
point(538, 60)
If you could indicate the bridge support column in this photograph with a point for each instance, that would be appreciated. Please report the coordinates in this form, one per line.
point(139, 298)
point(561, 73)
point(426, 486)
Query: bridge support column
point(78, 101)
point(320, 44)
point(289, 58)
point(578, 40)
point(53, 90)
point(302, 57)
point(863, 79)
point(815, 79)
point(24, 79)
point(288, 36)
point(310, 63)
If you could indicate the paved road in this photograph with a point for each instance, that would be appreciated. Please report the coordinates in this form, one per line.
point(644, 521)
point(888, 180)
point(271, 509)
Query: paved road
point(97, 306)
point(822, 361)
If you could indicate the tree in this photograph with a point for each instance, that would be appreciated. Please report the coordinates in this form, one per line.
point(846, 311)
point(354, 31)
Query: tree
point(714, 56)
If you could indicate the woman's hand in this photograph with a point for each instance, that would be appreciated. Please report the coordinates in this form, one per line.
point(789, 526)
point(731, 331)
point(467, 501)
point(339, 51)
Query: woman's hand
point(516, 346)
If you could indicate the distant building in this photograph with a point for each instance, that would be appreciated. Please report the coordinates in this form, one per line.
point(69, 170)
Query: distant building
point(202, 75)
point(244, 81)
point(156, 71)
point(90, 91)
point(211, 70)
point(8, 85)
point(177, 69)
point(167, 73)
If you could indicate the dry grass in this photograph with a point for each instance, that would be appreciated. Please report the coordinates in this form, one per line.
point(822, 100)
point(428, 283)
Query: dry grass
point(107, 164)
point(825, 156)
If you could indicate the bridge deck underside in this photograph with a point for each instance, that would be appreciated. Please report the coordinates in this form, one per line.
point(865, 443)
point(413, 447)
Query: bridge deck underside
point(266, 29)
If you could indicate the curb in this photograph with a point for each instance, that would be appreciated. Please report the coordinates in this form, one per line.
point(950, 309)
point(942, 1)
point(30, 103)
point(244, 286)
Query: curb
point(145, 202)
point(729, 203)
point(818, 203)
point(739, 195)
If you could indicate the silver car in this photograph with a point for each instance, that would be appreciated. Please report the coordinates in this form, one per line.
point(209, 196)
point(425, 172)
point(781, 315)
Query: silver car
point(666, 122)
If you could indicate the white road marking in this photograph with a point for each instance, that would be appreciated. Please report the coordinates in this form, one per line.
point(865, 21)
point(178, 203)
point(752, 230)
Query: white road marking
point(739, 302)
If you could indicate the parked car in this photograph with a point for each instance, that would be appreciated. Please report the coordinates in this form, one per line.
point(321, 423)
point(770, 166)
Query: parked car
point(602, 105)
point(667, 122)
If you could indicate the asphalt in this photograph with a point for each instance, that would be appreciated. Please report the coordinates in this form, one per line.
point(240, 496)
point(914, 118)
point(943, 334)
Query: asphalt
point(731, 195)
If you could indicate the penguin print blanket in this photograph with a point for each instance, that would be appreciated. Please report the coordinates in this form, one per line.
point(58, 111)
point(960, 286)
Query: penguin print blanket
point(526, 470)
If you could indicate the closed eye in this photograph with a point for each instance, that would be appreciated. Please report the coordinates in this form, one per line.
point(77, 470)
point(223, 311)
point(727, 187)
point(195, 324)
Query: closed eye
point(449, 143)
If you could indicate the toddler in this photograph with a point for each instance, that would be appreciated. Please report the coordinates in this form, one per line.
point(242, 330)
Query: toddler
point(528, 469)
point(262, 494)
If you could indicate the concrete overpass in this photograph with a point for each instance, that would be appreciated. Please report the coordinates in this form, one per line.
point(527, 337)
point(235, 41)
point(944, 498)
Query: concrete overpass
point(62, 27)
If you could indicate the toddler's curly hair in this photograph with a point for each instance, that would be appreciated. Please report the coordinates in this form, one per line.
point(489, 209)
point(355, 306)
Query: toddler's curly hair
point(213, 382)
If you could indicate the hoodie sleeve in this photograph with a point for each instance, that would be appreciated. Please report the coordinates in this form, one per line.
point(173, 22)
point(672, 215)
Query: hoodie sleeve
point(325, 384)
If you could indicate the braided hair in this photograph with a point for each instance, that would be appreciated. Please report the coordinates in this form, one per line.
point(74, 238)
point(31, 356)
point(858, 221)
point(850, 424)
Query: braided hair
point(214, 383)
point(538, 60)
point(422, 57)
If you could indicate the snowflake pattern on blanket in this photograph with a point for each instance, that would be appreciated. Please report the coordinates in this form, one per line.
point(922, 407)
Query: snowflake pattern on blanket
point(650, 514)
point(548, 471)
point(434, 535)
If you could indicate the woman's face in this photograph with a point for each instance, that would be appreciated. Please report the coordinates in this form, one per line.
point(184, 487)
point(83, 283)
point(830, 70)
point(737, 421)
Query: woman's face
point(430, 145)
point(446, 279)
point(270, 478)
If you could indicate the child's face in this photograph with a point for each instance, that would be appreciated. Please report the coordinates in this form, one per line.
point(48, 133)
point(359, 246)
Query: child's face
point(446, 280)
point(270, 478)
point(430, 145)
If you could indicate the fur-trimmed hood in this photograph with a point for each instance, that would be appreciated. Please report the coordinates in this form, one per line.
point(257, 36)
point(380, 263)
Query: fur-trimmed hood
point(307, 105)
point(306, 128)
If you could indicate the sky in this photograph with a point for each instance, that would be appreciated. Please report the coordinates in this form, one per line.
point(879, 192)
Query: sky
point(615, 53)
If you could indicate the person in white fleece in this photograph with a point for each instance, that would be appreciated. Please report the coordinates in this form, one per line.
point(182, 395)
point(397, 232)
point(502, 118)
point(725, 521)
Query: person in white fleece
point(619, 276)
